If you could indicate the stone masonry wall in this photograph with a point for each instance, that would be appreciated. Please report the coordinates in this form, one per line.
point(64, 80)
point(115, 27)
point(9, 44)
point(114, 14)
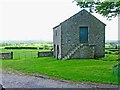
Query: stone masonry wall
point(70, 33)
point(85, 52)
point(6, 55)
point(45, 54)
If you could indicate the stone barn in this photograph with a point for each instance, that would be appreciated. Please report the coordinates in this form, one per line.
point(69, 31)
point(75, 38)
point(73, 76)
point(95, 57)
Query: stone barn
point(80, 36)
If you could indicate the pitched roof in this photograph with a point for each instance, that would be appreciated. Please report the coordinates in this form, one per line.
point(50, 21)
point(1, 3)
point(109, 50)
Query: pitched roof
point(79, 13)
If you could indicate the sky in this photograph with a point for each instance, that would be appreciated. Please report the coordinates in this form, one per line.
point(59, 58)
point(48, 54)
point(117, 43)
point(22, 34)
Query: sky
point(35, 19)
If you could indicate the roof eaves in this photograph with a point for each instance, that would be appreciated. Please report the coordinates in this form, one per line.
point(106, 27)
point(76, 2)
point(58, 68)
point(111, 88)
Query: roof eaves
point(56, 26)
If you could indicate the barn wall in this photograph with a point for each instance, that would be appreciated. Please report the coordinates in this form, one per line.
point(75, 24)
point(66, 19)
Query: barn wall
point(70, 33)
point(57, 41)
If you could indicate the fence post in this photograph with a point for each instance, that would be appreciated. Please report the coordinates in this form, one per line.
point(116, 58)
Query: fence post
point(11, 55)
point(38, 55)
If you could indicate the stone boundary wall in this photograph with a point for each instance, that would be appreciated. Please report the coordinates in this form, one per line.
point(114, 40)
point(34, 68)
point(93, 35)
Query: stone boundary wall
point(45, 54)
point(6, 55)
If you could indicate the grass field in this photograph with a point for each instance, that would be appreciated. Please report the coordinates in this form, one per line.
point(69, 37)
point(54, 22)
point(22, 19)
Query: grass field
point(91, 70)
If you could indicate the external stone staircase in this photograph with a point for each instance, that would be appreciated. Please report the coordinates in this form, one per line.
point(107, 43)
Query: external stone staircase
point(68, 56)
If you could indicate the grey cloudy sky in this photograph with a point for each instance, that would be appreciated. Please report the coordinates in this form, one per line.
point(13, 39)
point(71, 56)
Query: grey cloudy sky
point(34, 19)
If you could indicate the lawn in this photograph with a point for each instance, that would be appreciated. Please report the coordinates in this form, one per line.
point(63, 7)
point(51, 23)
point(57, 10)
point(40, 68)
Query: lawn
point(78, 70)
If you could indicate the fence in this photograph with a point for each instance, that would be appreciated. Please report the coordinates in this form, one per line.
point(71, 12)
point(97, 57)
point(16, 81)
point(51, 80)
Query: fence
point(24, 54)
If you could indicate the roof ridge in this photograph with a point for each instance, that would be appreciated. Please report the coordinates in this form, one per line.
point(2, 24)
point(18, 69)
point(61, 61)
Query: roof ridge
point(83, 10)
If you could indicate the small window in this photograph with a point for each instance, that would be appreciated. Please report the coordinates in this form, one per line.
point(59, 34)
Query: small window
point(83, 34)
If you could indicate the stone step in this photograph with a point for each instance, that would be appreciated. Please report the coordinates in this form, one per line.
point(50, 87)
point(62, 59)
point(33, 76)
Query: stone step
point(71, 53)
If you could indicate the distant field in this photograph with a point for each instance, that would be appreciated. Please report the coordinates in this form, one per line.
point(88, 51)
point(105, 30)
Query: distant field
point(91, 70)
point(28, 46)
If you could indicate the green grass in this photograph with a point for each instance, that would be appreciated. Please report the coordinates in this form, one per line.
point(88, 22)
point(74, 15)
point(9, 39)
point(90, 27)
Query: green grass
point(83, 70)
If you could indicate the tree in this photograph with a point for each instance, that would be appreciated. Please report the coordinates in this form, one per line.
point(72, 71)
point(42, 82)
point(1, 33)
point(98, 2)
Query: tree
point(107, 8)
